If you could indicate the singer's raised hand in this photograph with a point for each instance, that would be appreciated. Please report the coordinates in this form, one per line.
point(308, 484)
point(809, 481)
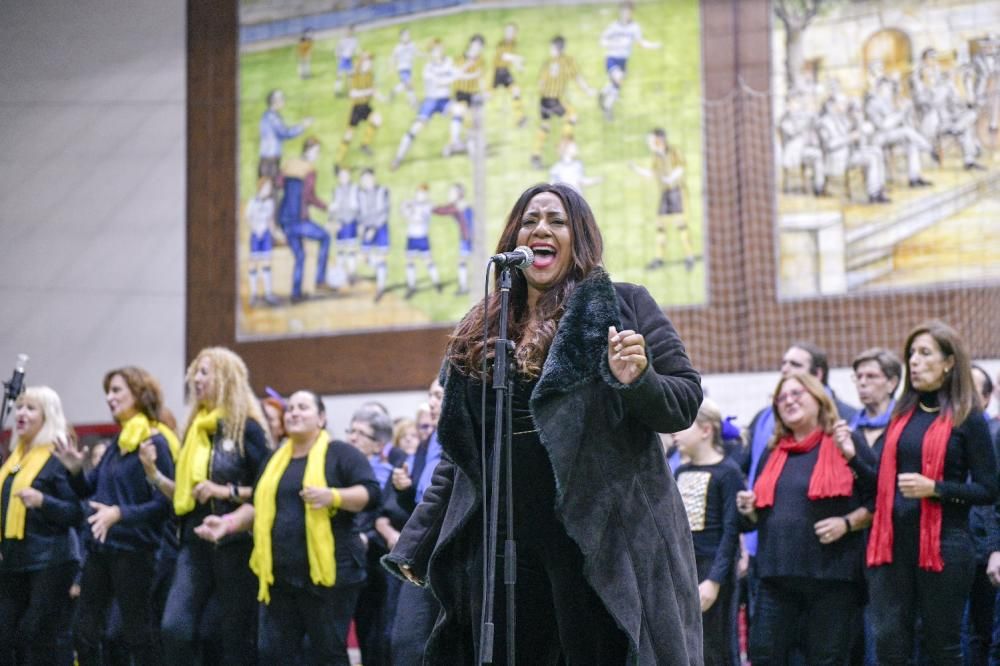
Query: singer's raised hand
point(68, 454)
point(626, 354)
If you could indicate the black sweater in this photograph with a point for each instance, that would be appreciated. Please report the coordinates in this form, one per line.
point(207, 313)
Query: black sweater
point(787, 541)
point(709, 493)
point(970, 474)
point(121, 480)
point(49, 539)
point(345, 467)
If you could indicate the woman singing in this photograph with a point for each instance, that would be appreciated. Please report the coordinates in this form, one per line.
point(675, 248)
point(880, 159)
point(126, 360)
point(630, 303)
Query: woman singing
point(307, 552)
point(605, 568)
point(126, 520)
point(38, 552)
point(807, 510)
point(936, 461)
point(223, 453)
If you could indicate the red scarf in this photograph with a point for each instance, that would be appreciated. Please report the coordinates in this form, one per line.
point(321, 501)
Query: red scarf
point(831, 476)
point(932, 466)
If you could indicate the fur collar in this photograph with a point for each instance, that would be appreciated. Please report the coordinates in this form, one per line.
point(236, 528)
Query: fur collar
point(577, 355)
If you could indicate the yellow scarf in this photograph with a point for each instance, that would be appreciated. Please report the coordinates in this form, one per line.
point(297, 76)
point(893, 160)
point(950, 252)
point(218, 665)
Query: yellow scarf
point(192, 464)
point(25, 464)
point(319, 534)
point(139, 428)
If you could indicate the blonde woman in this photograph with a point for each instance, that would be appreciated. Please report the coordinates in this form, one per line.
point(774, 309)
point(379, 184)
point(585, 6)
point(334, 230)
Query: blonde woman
point(708, 483)
point(38, 553)
point(224, 449)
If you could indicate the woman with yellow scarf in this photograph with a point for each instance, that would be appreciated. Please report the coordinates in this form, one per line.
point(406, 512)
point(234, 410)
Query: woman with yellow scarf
point(308, 554)
point(224, 450)
point(38, 552)
point(126, 521)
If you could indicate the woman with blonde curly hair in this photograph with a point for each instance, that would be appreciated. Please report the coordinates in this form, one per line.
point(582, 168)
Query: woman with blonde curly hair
point(38, 510)
point(225, 446)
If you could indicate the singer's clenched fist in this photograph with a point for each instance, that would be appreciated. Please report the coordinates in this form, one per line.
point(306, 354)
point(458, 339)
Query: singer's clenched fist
point(626, 354)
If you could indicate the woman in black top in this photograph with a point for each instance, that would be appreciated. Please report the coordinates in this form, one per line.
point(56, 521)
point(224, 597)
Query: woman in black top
point(807, 509)
point(709, 484)
point(308, 555)
point(224, 450)
point(127, 519)
point(602, 535)
point(936, 461)
point(38, 551)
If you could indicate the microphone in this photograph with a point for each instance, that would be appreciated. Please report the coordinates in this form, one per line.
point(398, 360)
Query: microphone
point(521, 257)
point(16, 384)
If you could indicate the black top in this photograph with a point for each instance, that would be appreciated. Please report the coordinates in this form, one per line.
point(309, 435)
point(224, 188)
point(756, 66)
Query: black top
point(534, 486)
point(226, 466)
point(970, 473)
point(121, 480)
point(49, 539)
point(345, 467)
point(787, 542)
point(709, 493)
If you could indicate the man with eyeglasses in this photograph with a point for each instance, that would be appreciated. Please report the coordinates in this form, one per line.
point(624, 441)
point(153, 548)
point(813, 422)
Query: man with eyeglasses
point(371, 433)
point(799, 357)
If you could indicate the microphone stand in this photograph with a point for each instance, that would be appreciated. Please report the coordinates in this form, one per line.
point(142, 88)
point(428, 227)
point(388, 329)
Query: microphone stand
point(503, 383)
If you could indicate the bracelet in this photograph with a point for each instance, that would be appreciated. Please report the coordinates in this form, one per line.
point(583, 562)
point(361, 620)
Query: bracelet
point(335, 504)
point(848, 523)
point(234, 492)
point(156, 480)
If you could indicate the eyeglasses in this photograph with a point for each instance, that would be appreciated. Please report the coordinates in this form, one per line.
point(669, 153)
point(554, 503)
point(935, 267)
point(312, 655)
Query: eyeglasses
point(426, 426)
point(791, 396)
point(359, 433)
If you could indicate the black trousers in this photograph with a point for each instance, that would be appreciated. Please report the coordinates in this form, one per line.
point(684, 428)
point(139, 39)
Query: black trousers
point(205, 571)
point(816, 616)
point(560, 619)
point(369, 618)
point(125, 577)
point(321, 615)
point(33, 607)
point(902, 593)
point(719, 622)
point(416, 612)
point(979, 627)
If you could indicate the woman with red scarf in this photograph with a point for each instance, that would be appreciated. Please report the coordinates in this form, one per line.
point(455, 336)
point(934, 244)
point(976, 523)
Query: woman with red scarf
point(936, 462)
point(807, 510)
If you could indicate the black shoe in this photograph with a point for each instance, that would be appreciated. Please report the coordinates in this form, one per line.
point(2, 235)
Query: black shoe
point(536, 162)
point(654, 264)
point(379, 294)
point(439, 287)
point(920, 182)
point(936, 156)
point(298, 298)
point(689, 264)
point(461, 292)
point(820, 192)
point(974, 166)
point(367, 150)
point(879, 198)
point(410, 291)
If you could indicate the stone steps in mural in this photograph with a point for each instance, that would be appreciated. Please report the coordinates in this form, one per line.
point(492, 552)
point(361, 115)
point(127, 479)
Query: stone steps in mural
point(870, 247)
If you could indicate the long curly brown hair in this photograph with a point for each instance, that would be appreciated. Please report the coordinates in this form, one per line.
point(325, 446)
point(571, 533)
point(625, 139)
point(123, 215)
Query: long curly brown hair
point(532, 330)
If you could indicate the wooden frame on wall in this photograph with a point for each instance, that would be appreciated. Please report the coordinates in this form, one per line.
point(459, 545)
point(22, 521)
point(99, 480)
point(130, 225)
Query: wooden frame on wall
point(722, 336)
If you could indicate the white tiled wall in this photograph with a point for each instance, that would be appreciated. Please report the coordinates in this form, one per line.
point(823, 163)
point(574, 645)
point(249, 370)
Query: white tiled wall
point(92, 150)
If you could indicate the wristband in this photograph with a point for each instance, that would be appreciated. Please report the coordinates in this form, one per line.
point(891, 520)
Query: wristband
point(335, 504)
point(848, 523)
point(234, 492)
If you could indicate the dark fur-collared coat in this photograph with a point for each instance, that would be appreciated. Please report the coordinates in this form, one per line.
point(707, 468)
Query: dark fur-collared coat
point(614, 494)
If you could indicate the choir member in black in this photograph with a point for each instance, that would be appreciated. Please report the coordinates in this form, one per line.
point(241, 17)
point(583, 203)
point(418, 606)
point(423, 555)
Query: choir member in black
point(877, 373)
point(308, 555)
point(224, 449)
point(708, 484)
point(985, 530)
point(936, 462)
point(38, 551)
point(807, 509)
point(126, 519)
point(371, 433)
